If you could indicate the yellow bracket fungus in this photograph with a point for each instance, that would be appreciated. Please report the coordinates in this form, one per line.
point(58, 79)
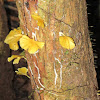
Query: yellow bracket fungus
point(22, 71)
point(66, 41)
point(30, 45)
point(39, 20)
point(13, 37)
point(16, 57)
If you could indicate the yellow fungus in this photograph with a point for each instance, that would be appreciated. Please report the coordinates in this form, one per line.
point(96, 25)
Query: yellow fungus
point(13, 37)
point(16, 57)
point(66, 42)
point(30, 45)
point(39, 20)
point(22, 71)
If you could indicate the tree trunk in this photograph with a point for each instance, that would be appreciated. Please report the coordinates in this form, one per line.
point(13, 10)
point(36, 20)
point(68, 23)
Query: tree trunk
point(6, 71)
point(58, 73)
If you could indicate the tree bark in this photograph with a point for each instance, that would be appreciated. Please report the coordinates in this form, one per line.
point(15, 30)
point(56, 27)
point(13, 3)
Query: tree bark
point(58, 73)
point(6, 71)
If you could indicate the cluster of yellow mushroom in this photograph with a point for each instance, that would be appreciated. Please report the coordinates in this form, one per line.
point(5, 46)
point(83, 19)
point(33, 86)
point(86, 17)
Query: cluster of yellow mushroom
point(31, 45)
point(25, 42)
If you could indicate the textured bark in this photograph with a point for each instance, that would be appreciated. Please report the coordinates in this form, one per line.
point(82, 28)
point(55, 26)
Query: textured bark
point(6, 71)
point(58, 73)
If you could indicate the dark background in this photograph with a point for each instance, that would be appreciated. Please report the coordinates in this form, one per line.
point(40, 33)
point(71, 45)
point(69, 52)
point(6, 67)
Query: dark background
point(93, 10)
